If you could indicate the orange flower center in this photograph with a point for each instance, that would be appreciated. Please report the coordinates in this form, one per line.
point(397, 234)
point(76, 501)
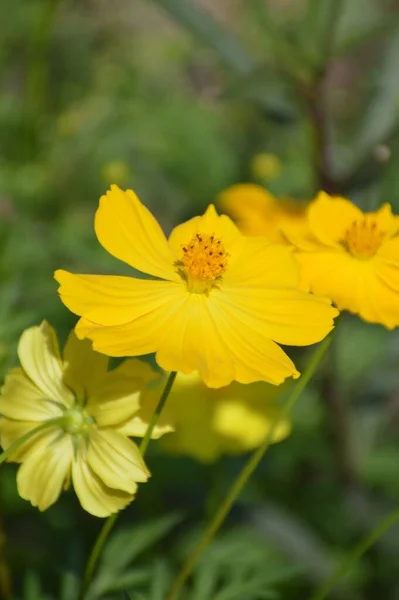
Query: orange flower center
point(363, 238)
point(203, 262)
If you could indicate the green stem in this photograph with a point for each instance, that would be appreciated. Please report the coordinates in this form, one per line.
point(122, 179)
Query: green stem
point(358, 551)
point(27, 436)
point(154, 419)
point(110, 522)
point(244, 475)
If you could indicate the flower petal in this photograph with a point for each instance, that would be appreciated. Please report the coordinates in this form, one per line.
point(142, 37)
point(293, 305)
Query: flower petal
point(111, 300)
point(330, 217)
point(254, 355)
point(287, 316)
point(128, 231)
point(42, 475)
point(192, 342)
point(141, 335)
point(210, 222)
point(246, 428)
point(84, 369)
point(261, 264)
point(11, 430)
point(40, 358)
point(203, 336)
point(21, 399)
point(94, 496)
point(334, 275)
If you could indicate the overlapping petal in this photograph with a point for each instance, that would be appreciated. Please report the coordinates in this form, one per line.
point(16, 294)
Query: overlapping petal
point(44, 471)
point(128, 231)
point(287, 316)
point(137, 337)
point(116, 460)
point(40, 358)
point(330, 217)
point(262, 265)
point(21, 399)
point(109, 300)
point(84, 369)
point(94, 496)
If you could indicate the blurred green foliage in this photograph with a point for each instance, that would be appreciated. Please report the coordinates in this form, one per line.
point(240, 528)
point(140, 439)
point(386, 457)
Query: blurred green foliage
point(175, 98)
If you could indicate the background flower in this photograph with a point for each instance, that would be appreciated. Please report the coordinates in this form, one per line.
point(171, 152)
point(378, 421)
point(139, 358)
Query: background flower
point(352, 257)
point(209, 423)
point(257, 212)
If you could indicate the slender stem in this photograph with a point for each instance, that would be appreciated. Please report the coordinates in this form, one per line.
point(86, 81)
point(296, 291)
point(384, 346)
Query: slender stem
point(110, 522)
point(154, 419)
point(254, 460)
point(27, 436)
point(358, 551)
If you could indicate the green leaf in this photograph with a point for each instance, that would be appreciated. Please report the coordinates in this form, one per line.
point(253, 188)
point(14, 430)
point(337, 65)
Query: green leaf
point(368, 34)
point(125, 546)
point(205, 28)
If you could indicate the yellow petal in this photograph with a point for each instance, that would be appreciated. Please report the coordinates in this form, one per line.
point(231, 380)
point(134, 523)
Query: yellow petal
point(128, 231)
point(335, 275)
point(261, 264)
point(84, 369)
point(330, 217)
point(246, 427)
point(94, 496)
point(140, 336)
point(287, 316)
point(21, 399)
point(379, 300)
point(40, 358)
point(116, 460)
point(210, 222)
point(11, 430)
point(42, 475)
point(254, 355)
point(385, 220)
point(203, 336)
point(192, 341)
point(140, 375)
point(110, 300)
point(252, 206)
point(116, 397)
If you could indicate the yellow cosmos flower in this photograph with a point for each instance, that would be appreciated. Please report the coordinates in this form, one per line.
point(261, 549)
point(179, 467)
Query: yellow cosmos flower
point(352, 257)
point(258, 213)
point(209, 423)
point(93, 412)
point(219, 305)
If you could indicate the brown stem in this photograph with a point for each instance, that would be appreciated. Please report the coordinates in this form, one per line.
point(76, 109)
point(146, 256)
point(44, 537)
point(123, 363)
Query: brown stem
point(315, 103)
point(314, 97)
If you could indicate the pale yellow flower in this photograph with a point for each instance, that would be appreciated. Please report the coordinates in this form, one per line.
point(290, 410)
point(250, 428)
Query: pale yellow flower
point(93, 409)
point(218, 302)
point(211, 422)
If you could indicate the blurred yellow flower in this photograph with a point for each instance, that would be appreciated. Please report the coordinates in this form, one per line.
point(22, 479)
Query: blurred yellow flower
point(208, 422)
point(258, 213)
point(219, 304)
point(265, 166)
point(352, 257)
point(92, 410)
point(116, 171)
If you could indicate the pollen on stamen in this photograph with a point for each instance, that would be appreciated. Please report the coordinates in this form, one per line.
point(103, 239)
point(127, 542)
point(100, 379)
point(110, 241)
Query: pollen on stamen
point(363, 239)
point(204, 258)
